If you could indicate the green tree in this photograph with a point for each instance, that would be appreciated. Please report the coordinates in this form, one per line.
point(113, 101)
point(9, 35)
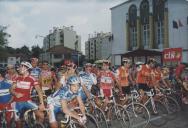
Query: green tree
point(25, 50)
point(3, 36)
point(36, 51)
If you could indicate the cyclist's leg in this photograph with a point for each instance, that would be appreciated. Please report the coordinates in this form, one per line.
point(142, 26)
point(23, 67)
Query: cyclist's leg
point(39, 114)
point(18, 106)
point(53, 110)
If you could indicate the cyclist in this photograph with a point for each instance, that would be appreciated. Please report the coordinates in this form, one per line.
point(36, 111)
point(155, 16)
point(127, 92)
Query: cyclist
point(46, 79)
point(62, 76)
point(21, 89)
point(62, 99)
point(106, 83)
point(123, 77)
point(88, 80)
point(5, 96)
point(144, 77)
point(10, 74)
point(35, 71)
point(71, 67)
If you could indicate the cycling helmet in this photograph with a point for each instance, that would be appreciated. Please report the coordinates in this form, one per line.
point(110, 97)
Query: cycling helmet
point(73, 80)
point(27, 64)
point(139, 63)
point(106, 62)
point(88, 65)
point(127, 60)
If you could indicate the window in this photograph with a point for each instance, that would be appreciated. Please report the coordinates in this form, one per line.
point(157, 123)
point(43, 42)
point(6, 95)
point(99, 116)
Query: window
point(145, 36)
point(159, 34)
point(133, 37)
point(132, 24)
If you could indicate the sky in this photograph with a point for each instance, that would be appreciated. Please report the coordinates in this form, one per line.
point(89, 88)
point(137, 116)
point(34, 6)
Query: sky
point(27, 18)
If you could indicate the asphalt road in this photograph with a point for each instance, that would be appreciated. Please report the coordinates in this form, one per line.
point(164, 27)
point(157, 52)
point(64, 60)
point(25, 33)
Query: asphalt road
point(181, 121)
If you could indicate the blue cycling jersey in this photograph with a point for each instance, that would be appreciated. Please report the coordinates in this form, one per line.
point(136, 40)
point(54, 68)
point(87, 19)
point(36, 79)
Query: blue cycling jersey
point(35, 72)
point(64, 93)
point(5, 95)
point(88, 79)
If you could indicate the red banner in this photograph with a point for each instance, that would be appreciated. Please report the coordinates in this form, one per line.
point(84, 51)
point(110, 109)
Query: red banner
point(172, 54)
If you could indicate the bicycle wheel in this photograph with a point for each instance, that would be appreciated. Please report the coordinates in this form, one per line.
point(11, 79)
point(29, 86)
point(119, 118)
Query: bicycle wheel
point(91, 121)
point(100, 118)
point(119, 116)
point(75, 124)
point(38, 125)
point(158, 113)
point(139, 115)
point(172, 107)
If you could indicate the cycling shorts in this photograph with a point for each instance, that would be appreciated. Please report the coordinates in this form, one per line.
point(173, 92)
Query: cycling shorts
point(106, 92)
point(20, 107)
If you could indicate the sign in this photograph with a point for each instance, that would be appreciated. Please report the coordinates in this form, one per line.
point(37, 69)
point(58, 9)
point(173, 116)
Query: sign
point(172, 54)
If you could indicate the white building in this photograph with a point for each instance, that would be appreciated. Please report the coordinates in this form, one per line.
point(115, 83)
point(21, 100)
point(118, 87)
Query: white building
point(98, 46)
point(64, 36)
point(149, 24)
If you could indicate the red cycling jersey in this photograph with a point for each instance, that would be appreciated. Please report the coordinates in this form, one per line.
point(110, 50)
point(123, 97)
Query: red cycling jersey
point(107, 79)
point(24, 86)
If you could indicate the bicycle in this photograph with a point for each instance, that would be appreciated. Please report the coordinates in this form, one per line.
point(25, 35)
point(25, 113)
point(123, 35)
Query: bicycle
point(138, 113)
point(3, 122)
point(98, 113)
point(171, 104)
point(118, 113)
point(157, 110)
point(30, 120)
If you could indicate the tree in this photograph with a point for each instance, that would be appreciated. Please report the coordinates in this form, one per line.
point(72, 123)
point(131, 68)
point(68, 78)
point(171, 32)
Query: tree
point(3, 36)
point(36, 51)
point(25, 50)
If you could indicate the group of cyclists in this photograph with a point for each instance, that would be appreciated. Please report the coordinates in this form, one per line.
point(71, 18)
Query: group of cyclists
point(67, 87)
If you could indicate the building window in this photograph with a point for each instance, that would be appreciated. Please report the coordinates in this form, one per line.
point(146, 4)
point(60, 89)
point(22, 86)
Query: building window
point(144, 15)
point(132, 24)
point(159, 35)
point(145, 36)
point(133, 36)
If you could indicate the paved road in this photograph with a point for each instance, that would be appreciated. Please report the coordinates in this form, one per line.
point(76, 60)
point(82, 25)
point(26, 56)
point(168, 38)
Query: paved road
point(181, 121)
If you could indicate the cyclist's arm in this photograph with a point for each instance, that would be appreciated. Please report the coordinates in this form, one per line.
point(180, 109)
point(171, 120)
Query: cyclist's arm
point(40, 94)
point(81, 105)
point(67, 111)
point(12, 89)
point(86, 91)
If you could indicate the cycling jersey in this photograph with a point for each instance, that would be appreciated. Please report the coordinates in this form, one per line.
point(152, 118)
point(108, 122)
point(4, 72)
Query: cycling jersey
point(54, 100)
point(10, 78)
point(24, 85)
point(64, 93)
point(35, 72)
point(106, 79)
point(88, 79)
point(122, 76)
point(144, 75)
point(5, 95)
point(46, 79)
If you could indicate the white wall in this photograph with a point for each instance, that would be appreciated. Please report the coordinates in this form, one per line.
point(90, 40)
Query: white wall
point(178, 10)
